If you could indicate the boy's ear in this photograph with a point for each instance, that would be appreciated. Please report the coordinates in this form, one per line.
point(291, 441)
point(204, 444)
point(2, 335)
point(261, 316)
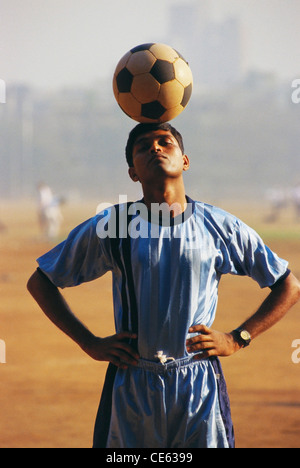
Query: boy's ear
point(132, 174)
point(186, 162)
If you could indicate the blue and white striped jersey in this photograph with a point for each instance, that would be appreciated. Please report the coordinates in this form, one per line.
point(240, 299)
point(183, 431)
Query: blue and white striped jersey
point(165, 277)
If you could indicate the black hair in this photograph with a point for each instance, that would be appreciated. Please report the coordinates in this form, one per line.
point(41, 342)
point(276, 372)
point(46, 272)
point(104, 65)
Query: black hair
point(141, 129)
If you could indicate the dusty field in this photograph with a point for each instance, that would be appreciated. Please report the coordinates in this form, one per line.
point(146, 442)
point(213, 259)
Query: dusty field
point(49, 390)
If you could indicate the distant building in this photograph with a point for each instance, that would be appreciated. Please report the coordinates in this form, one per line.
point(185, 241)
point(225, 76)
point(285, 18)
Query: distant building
point(213, 48)
point(16, 138)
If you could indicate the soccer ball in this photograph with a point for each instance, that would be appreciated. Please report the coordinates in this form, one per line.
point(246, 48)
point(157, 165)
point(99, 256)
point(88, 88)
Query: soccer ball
point(152, 83)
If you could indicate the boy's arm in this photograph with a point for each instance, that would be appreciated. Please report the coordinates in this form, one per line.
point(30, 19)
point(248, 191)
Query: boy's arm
point(114, 349)
point(273, 309)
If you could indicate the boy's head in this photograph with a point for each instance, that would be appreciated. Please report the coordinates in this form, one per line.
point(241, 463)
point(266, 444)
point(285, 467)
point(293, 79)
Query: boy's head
point(142, 129)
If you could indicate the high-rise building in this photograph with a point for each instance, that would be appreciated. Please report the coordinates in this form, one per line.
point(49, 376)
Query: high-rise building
point(212, 47)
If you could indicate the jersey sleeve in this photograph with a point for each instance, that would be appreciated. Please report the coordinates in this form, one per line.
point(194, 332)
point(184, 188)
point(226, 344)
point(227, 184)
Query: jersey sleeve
point(81, 258)
point(247, 255)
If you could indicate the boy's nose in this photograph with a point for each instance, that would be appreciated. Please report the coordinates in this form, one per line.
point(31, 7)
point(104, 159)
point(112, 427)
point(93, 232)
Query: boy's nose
point(155, 148)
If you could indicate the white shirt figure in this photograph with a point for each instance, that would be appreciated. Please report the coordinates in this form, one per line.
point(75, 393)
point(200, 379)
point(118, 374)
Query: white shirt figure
point(296, 200)
point(50, 216)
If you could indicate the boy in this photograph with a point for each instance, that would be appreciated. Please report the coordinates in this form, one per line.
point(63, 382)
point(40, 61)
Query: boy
point(164, 386)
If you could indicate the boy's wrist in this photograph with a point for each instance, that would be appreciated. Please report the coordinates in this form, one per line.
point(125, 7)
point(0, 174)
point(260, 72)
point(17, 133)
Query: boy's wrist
point(241, 337)
point(86, 341)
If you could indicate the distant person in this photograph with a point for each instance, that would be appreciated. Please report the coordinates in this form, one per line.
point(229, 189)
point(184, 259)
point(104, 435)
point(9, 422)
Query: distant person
point(296, 200)
point(277, 200)
point(167, 253)
point(49, 213)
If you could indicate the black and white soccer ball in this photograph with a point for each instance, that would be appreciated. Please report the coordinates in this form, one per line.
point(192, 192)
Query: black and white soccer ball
point(153, 83)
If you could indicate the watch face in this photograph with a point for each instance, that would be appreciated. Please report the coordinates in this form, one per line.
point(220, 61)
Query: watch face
point(245, 335)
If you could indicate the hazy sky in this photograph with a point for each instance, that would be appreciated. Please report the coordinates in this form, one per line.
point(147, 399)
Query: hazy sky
point(52, 43)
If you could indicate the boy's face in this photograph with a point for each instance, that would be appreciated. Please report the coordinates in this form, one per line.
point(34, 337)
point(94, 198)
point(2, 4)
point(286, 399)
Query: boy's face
point(157, 154)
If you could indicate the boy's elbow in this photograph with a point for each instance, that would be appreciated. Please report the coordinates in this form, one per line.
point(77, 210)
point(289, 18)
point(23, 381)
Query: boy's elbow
point(37, 282)
point(32, 283)
point(294, 287)
point(298, 289)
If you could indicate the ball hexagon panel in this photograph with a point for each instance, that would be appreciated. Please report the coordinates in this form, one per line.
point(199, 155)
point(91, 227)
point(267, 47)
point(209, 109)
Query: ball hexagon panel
point(171, 94)
point(164, 52)
point(145, 88)
point(132, 106)
point(140, 62)
point(183, 72)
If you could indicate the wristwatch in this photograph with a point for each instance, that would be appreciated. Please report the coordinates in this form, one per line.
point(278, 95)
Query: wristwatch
point(242, 336)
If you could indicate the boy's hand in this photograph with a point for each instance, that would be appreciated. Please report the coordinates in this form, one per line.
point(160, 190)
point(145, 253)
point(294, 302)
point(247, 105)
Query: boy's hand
point(211, 343)
point(114, 349)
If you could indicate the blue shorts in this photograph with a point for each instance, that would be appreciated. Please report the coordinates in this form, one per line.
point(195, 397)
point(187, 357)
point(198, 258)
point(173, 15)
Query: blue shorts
point(180, 404)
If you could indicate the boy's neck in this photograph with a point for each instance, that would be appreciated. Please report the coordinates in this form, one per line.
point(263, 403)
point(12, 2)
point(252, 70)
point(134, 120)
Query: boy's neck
point(172, 195)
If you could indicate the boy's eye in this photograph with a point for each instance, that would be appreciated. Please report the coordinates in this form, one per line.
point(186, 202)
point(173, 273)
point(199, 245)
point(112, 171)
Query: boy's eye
point(165, 142)
point(142, 146)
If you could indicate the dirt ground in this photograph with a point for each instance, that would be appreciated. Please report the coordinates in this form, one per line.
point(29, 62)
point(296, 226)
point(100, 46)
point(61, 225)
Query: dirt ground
point(49, 390)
